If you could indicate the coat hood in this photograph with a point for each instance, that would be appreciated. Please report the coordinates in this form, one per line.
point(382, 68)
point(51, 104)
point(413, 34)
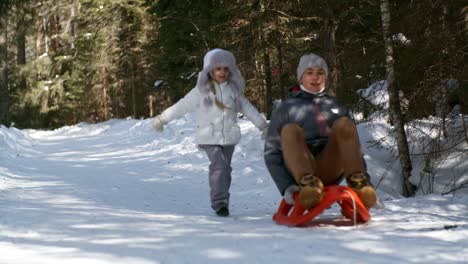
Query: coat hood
point(220, 58)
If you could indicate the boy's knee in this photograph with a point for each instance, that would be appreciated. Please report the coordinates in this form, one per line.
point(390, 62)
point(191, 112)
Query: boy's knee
point(291, 130)
point(344, 127)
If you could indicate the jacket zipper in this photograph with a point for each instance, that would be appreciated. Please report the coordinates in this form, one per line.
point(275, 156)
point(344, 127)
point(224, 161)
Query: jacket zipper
point(221, 98)
point(321, 120)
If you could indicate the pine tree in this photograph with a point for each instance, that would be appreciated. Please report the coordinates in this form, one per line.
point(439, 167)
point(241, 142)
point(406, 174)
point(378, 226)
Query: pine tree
point(395, 109)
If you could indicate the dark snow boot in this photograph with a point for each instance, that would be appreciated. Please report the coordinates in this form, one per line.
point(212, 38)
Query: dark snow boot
point(359, 183)
point(223, 211)
point(311, 191)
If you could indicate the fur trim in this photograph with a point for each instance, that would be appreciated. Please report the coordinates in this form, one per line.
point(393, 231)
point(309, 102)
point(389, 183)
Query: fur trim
point(219, 58)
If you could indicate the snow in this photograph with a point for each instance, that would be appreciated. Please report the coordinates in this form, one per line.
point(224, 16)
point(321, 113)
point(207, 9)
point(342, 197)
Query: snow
point(118, 192)
point(377, 96)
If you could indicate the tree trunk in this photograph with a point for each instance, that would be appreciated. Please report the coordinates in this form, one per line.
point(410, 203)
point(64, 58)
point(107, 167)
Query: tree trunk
point(281, 75)
point(21, 50)
point(53, 33)
point(39, 29)
point(133, 87)
point(46, 31)
point(151, 102)
point(266, 62)
point(329, 47)
point(73, 12)
point(394, 100)
point(104, 93)
point(21, 42)
point(464, 14)
point(4, 96)
point(268, 83)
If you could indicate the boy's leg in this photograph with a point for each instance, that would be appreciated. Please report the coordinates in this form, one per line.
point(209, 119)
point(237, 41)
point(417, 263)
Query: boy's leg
point(296, 153)
point(302, 165)
point(342, 157)
point(219, 174)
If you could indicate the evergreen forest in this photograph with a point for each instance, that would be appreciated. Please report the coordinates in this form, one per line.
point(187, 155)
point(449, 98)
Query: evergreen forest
point(70, 61)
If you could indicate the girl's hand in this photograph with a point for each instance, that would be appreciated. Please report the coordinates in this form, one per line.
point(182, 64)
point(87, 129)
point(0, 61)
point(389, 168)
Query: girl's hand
point(159, 123)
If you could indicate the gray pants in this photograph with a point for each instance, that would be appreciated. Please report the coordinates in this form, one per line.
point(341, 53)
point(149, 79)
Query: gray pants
point(219, 174)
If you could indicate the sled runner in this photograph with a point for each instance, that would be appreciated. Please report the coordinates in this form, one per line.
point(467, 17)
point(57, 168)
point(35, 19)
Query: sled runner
point(351, 207)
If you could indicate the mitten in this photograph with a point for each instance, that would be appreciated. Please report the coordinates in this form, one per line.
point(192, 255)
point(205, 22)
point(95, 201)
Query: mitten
point(289, 194)
point(379, 204)
point(159, 123)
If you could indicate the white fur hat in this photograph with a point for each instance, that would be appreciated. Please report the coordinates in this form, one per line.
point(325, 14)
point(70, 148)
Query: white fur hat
point(311, 61)
point(220, 58)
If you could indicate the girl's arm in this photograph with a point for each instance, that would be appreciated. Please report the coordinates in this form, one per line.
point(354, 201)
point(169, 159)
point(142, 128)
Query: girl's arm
point(187, 104)
point(251, 113)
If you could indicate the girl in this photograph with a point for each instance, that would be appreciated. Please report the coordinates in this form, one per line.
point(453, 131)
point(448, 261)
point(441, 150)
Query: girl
point(216, 100)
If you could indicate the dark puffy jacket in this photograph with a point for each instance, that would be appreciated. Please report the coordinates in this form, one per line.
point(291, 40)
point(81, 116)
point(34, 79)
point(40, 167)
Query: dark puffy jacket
point(315, 113)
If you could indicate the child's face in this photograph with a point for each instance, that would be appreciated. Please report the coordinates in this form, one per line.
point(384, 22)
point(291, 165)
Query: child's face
point(220, 74)
point(313, 79)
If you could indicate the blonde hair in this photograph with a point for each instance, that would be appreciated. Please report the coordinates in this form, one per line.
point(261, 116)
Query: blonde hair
point(218, 103)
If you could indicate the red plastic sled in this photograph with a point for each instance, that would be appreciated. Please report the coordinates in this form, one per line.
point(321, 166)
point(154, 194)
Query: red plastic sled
point(351, 207)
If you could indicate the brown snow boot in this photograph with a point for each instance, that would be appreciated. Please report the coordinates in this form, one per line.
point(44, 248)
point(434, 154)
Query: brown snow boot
point(359, 183)
point(311, 191)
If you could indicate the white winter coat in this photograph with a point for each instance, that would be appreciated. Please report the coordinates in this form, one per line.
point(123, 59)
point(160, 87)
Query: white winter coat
point(216, 126)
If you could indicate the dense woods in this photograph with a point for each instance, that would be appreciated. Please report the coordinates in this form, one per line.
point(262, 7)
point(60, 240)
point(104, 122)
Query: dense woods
point(80, 60)
point(69, 61)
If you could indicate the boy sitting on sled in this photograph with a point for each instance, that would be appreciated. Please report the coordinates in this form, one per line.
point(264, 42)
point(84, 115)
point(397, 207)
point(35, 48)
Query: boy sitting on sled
point(312, 142)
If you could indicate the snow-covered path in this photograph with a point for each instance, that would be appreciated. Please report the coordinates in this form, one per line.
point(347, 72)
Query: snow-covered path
point(117, 192)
